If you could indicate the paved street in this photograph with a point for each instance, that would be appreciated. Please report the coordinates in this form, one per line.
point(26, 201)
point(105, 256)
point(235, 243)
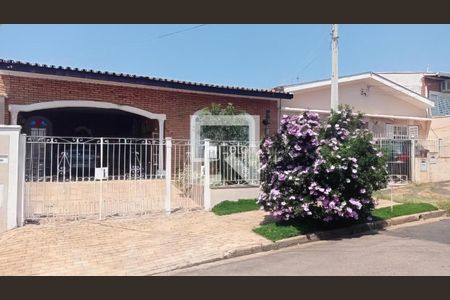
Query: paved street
point(405, 250)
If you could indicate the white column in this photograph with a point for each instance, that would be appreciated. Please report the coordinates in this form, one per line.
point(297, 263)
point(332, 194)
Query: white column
point(13, 120)
point(9, 165)
point(21, 181)
point(412, 160)
point(100, 204)
point(167, 199)
point(206, 181)
point(161, 146)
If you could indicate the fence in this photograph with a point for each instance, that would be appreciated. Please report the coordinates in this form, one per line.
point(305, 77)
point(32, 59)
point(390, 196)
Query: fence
point(406, 159)
point(61, 159)
point(398, 154)
point(234, 163)
point(73, 178)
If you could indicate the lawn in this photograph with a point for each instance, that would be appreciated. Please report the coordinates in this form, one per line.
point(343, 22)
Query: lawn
point(278, 231)
point(230, 207)
point(437, 194)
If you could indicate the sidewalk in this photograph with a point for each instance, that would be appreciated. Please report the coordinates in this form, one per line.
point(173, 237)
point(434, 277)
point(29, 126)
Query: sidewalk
point(134, 246)
point(138, 246)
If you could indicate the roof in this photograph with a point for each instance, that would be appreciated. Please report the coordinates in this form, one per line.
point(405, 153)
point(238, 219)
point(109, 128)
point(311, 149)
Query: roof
point(426, 73)
point(439, 74)
point(34, 68)
point(368, 75)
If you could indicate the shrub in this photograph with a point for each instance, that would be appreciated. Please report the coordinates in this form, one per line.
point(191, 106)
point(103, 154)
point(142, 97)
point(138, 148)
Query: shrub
point(324, 172)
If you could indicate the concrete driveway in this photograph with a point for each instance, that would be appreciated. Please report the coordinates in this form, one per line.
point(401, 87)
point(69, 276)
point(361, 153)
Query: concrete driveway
point(403, 250)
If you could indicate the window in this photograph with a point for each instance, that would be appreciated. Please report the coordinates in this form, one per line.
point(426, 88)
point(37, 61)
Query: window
point(413, 132)
point(441, 103)
point(445, 86)
point(402, 132)
point(396, 131)
point(38, 131)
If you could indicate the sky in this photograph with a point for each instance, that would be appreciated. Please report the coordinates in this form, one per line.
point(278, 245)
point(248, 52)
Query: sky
point(255, 56)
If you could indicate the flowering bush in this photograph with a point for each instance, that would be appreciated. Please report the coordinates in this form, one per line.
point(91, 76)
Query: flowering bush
point(324, 172)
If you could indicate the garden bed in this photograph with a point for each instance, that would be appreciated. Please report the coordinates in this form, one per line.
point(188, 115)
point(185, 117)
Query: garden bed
point(278, 231)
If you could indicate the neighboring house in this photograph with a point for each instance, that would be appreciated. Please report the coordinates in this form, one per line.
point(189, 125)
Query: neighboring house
point(391, 110)
point(433, 85)
point(62, 101)
point(436, 87)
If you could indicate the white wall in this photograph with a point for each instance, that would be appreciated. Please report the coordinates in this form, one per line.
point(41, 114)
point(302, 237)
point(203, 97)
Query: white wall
point(9, 179)
point(231, 193)
point(379, 100)
point(412, 81)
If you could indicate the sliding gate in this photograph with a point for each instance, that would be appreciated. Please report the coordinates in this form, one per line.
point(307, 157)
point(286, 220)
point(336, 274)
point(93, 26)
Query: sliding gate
point(74, 178)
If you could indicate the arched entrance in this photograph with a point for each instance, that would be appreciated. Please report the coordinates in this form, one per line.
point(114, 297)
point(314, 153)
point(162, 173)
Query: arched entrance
point(79, 118)
point(75, 118)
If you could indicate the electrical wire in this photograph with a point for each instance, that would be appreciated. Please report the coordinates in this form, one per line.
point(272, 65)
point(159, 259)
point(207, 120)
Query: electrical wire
point(180, 31)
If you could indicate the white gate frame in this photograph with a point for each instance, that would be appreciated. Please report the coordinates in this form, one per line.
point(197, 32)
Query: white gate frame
point(168, 196)
point(11, 190)
point(206, 181)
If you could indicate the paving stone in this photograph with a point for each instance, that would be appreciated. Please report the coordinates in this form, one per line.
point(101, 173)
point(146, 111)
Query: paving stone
point(133, 246)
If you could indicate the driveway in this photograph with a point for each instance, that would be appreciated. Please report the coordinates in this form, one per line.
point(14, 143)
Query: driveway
point(139, 246)
point(134, 246)
point(405, 250)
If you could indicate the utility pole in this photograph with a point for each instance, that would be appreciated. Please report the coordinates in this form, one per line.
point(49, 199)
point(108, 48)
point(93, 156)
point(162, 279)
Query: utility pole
point(334, 67)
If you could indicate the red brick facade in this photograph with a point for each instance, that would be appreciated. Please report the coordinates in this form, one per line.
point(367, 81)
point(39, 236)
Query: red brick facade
point(177, 105)
point(432, 84)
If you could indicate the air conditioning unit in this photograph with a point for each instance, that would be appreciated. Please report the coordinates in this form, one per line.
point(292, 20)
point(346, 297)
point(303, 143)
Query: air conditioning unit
point(445, 86)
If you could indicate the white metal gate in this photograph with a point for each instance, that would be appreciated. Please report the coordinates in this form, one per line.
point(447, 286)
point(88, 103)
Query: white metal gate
point(73, 177)
point(399, 154)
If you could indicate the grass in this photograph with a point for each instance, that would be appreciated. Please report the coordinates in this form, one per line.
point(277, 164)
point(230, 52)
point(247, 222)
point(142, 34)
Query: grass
point(402, 210)
point(437, 194)
point(231, 207)
point(278, 231)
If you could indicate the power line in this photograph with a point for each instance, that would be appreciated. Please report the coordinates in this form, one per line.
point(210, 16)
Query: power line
point(317, 52)
point(182, 30)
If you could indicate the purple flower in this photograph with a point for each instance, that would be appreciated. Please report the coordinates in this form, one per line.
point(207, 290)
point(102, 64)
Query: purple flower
point(362, 191)
point(356, 203)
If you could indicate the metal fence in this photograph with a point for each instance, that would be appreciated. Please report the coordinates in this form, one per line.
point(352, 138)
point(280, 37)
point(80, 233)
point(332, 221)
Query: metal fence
point(73, 178)
point(234, 163)
point(401, 155)
point(398, 157)
point(61, 159)
point(435, 147)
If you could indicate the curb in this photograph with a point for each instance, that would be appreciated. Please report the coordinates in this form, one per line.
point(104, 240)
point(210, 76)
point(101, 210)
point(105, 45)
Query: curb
point(313, 237)
point(335, 233)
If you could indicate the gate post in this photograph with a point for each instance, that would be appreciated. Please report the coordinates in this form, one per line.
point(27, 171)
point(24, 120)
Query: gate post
point(412, 160)
point(9, 176)
point(21, 181)
point(100, 206)
point(167, 199)
point(206, 181)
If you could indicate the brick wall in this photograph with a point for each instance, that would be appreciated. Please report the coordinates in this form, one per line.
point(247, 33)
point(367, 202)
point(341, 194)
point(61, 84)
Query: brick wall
point(432, 85)
point(177, 105)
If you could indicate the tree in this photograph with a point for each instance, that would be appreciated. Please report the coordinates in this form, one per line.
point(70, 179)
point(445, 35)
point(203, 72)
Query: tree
point(324, 172)
point(221, 131)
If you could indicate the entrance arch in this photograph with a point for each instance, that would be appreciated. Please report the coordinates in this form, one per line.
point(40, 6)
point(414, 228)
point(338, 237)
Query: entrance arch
point(15, 109)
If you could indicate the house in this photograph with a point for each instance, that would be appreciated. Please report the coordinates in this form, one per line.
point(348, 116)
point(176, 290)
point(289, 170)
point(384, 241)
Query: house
point(391, 110)
point(433, 85)
point(98, 143)
point(436, 87)
point(64, 101)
